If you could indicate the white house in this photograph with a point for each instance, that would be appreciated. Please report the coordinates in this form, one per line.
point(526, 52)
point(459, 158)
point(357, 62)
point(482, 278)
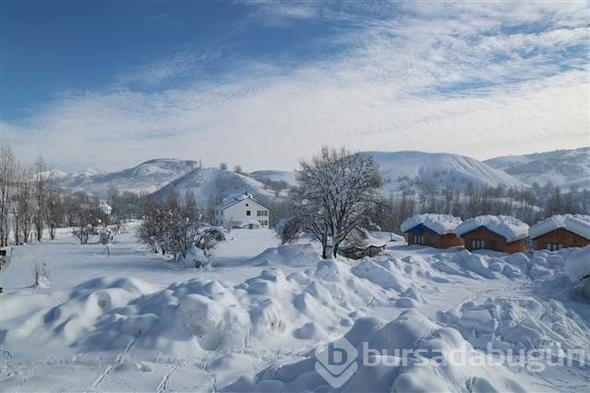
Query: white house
point(242, 211)
point(105, 208)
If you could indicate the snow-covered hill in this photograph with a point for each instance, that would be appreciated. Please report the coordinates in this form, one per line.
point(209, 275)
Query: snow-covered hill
point(437, 170)
point(148, 177)
point(276, 176)
point(207, 183)
point(564, 168)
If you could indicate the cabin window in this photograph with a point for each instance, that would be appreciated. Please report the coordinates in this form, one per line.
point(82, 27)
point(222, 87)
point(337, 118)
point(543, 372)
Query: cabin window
point(419, 239)
point(554, 246)
point(477, 244)
point(248, 212)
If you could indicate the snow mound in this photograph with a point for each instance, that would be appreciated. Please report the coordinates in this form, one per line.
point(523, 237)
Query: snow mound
point(269, 310)
point(524, 323)
point(508, 227)
point(578, 265)
point(576, 223)
point(287, 255)
point(439, 223)
point(382, 369)
point(71, 320)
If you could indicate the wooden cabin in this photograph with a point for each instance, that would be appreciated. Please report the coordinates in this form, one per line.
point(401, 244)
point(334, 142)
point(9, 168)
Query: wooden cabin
point(561, 231)
point(497, 233)
point(484, 239)
point(433, 230)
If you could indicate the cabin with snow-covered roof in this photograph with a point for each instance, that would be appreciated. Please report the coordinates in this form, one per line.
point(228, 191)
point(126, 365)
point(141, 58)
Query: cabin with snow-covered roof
point(434, 230)
point(242, 211)
point(498, 233)
point(561, 231)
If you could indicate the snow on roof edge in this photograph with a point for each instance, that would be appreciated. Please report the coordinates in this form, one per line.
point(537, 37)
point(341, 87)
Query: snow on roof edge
point(441, 224)
point(576, 223)
point(508, 227)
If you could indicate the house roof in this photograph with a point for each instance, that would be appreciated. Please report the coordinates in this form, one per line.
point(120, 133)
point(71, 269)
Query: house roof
point(441, 224)
point(576, 223)
point(508, 227)
point(236, 198)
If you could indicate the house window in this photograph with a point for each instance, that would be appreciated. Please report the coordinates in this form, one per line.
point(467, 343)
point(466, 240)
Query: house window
point(419, 239)
point(477, 244)
point(554, 246)
point(248, 212)
point(260, 213)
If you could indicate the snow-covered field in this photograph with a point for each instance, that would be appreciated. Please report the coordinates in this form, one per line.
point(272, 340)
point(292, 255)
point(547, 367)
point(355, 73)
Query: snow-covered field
point(133, 321)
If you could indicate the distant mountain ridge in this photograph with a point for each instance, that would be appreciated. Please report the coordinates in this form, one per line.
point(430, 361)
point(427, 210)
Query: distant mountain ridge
point(405, 169)
point(400, 170)
point(564, 168)
point(148, 177)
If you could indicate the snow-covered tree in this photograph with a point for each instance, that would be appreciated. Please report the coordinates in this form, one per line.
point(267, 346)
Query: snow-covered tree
point(336, 189)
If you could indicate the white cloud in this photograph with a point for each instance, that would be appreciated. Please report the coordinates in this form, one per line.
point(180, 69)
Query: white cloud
point(446, 77)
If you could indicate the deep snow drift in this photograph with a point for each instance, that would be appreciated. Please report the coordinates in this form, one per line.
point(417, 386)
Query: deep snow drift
point(253, 321)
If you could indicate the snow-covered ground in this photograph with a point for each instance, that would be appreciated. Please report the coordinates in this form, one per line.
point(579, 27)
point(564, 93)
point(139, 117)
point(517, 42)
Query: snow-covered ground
point(133, 321)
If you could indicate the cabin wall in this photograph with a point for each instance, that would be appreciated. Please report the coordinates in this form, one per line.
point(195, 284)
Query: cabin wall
point(493, 241)
point(432, 239)
point(563, 236)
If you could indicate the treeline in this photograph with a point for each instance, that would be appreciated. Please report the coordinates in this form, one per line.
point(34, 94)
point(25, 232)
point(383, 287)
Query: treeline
point(33, 206)
point(529, 205)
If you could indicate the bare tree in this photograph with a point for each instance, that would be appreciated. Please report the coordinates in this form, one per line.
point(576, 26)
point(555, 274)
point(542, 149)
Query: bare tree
point(238, 169)
point(54, 206)
point(24, 205)
point(336, 190)
point(223, 166)
point(7, 188)
point(39, 180)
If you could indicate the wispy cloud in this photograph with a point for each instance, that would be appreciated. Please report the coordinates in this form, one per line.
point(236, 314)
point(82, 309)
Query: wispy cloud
point(480, 79)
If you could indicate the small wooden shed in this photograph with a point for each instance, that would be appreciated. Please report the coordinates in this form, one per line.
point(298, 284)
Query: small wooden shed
point(497, 233)
point(433, 230)
point(561, 231)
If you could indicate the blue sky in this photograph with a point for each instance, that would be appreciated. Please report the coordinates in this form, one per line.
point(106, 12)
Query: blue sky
point(265, 83)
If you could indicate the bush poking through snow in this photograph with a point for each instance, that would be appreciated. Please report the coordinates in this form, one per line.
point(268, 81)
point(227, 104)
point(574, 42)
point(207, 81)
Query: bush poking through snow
point(288, 229)
point(40, 275)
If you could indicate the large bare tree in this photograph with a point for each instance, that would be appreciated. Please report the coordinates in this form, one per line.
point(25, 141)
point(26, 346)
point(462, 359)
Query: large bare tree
point(336, 190)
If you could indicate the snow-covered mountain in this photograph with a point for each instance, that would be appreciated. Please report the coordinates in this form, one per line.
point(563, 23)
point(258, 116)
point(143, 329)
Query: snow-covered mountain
point(564, 168)
point(215, 184)
point(147, 177)
point(401, 169)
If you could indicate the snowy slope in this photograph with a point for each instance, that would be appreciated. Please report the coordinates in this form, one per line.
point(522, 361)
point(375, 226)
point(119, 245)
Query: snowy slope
point(286, 176)
point(148, 176)
point(215, 183)
point(437, 170)
point(560, 167)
